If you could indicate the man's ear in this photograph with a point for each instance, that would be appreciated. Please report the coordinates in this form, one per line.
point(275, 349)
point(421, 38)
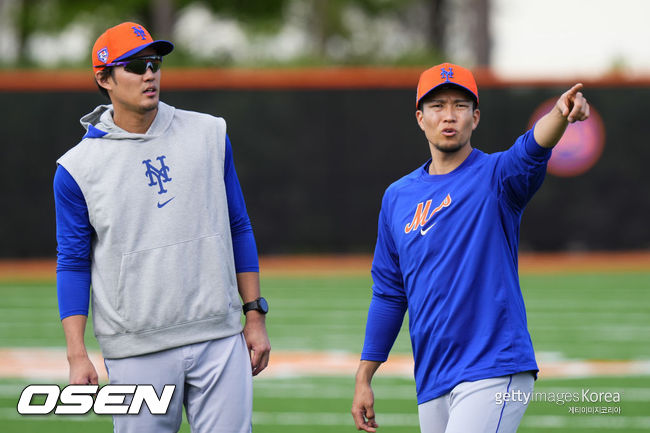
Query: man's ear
point(103, 81)
point(419, 115)
point(477, 117)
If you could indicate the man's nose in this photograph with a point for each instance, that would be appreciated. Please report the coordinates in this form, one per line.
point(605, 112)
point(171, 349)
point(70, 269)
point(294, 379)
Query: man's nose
point(148, 72)
point(449, 113)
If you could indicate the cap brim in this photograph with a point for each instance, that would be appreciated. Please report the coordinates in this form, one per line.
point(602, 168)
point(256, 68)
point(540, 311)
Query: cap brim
point(162, 48)
point(447, 85)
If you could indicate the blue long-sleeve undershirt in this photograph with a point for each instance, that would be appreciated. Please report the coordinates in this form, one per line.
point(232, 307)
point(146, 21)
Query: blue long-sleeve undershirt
point(455, 268)
point(385, 317)
point(74, 235)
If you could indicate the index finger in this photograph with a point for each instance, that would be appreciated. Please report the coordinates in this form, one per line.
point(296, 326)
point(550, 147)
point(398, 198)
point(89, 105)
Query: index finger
point(573, 91)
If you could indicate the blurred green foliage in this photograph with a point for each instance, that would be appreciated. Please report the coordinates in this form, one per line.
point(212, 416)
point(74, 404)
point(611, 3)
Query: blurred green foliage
point(324, 19)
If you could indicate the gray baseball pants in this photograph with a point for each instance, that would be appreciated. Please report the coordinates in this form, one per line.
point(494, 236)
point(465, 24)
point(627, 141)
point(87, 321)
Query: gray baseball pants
point(213, 381)
point(479, 407)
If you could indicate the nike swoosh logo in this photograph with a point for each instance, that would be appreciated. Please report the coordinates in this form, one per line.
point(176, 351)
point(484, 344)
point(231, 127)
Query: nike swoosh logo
point(424, 232)
point(164, 203)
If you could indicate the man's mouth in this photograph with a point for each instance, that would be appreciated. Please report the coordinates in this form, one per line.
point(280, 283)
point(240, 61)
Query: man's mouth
point(448, 132)
point(150, 91)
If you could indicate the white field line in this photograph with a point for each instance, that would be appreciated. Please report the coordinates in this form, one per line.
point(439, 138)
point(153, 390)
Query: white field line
point(11, 414)
point(51, 364)
point(590, 422)
point(594, 422)
point(273, 389)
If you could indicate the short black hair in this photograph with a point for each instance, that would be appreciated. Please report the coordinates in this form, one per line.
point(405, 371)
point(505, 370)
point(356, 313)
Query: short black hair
point(429, 96)
point(105, 73)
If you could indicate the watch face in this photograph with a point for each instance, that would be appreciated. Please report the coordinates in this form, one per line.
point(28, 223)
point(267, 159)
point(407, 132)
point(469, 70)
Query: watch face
point(263, 305)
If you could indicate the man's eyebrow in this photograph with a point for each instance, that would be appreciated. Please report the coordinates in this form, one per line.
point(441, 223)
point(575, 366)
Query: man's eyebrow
point(445, 100)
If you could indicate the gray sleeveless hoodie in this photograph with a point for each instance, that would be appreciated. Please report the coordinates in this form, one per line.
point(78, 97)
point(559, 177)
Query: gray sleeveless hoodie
point(163, 271)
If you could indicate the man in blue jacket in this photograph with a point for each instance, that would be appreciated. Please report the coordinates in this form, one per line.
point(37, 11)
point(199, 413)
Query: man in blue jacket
point(447, 251)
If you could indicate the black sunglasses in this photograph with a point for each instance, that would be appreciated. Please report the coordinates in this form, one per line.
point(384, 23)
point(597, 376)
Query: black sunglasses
point(139, 65)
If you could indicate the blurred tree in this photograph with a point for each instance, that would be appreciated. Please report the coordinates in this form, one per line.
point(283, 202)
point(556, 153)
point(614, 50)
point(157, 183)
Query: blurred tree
point(26, 24)
point(325, 17)
point(24, 16)
point(246, 10)
point(162, 18)
point(468, 35)
point(482, 29)
point(50, 16)
point(438, 24)
point(157, 15)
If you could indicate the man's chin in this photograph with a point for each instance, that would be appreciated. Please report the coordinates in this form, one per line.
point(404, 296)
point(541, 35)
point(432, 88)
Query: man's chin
point(149, 106)
point(448, 148)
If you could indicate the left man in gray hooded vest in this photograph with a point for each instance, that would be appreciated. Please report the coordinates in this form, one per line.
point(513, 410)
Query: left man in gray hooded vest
point(149, 212)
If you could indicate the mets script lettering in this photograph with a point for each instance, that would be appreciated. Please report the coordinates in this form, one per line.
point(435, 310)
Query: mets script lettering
point(422, 215)
point(157, 176)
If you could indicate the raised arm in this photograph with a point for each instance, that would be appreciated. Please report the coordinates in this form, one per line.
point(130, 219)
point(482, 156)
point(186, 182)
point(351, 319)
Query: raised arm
point(570, 107)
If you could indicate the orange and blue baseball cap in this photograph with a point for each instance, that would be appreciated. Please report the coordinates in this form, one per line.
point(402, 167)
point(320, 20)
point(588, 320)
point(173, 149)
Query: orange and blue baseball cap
point(446, 74)
point(123, 41)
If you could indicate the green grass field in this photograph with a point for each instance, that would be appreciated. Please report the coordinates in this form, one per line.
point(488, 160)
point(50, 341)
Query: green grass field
point(603, 316)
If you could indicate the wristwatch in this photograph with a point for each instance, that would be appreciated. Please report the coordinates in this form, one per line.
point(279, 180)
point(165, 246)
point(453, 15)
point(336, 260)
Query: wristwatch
point(259, 304)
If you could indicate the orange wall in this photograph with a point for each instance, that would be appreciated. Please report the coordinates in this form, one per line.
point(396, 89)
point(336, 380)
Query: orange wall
point(297, 78)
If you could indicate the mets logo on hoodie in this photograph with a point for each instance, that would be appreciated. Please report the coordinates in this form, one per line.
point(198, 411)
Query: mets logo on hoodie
point(158, 177)
point(423, 215)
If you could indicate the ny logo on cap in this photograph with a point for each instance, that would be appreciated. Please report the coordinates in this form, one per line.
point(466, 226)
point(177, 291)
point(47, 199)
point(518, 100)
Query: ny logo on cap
point(446, 75)
point(139, 32)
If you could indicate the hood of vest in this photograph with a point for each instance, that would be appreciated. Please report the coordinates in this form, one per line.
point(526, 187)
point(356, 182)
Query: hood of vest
point(99, 124)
